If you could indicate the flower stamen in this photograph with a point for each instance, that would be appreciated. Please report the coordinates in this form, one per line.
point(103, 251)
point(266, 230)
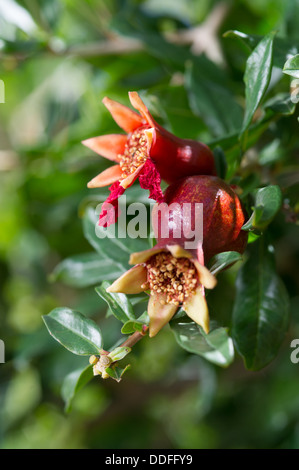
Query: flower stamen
point(135, 153)
point(175, 277)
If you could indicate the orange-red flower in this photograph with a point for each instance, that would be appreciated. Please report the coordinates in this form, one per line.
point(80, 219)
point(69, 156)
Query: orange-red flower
point(148, 152)
point(173, 276)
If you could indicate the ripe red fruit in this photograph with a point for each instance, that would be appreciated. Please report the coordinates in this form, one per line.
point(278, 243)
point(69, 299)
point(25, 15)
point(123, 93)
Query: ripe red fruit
point(222, 217)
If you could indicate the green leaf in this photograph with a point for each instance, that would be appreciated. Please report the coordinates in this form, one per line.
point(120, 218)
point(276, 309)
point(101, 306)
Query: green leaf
point(119, 304)
point(291, 67)
point(216, 347)
point(257, 77)
point(119, 353)
point(282, 48)
point(73, 382)
point(281, 104)
point(268, 201)
point(74, 331)
point(220, 162)
point(86, 269)
point(261, 310)
point(223, 260)
point(135, 325)
point(210, 100)
point(250, 40)
point(116, 372)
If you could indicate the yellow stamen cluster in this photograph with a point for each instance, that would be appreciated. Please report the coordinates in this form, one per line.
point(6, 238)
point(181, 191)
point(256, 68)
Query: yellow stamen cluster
point(135, 153)
point(175, 277)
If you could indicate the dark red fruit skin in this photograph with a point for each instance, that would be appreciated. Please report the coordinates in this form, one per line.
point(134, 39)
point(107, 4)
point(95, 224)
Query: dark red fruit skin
point(223, 215)
point(189, 157)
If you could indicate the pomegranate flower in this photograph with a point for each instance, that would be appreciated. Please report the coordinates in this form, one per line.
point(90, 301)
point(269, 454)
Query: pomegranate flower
point(148, 152)
point(173, 277)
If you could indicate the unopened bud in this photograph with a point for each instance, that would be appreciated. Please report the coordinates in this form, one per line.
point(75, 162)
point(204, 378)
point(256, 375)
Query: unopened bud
point(119, 353)
point(93, 359)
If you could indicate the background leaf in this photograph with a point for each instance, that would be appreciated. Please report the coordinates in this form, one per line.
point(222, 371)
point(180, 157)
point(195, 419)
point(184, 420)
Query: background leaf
point(86, 269)
point(261, 309)
point(73, 383)
point(74, 331)
point(223, 260)
point(257, 77)
point(119, 304)
point(291, 67)
point(216, 347)
point(268, 201)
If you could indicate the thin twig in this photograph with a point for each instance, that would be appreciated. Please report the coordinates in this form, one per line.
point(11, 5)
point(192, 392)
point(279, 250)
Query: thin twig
point(134, 338)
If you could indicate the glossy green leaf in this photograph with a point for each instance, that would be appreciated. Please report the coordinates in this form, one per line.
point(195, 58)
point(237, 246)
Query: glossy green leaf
point(261, 310)
point(249, 39)
point(268, 201)
point(74, 331)
point(135, 325)
point(73, 383)
point(118, 303)
point(86, 269)
point(281, 104)
point(282, 47)
point(257, 77)
point(216, 347)
point(291, 67)
point(223, 260)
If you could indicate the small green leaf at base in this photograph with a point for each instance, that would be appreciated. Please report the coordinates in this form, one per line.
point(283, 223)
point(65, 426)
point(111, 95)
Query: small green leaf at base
point(116, 372)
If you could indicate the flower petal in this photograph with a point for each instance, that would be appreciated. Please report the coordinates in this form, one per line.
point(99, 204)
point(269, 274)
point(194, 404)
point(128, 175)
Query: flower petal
point(110, 210)
point(108, 146)
point(129, 180)
point(143, 256)
point(131, 281)
point(159, 312)
point(125, 117)
point(108, 176)
point(197, 309)
point(138, 104)
point(206, 278)
point(150, 179)
point(178, 252)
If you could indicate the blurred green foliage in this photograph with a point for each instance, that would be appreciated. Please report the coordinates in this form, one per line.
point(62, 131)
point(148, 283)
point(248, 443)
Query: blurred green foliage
point(58, 60)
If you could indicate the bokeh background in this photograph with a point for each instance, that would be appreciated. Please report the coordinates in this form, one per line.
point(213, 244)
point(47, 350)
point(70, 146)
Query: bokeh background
point(59, 58)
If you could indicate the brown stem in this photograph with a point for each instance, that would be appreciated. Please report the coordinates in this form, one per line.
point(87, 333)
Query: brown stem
point(134, 338)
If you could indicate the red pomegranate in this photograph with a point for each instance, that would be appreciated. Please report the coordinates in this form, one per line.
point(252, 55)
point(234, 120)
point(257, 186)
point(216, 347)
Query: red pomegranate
point(221, 221)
